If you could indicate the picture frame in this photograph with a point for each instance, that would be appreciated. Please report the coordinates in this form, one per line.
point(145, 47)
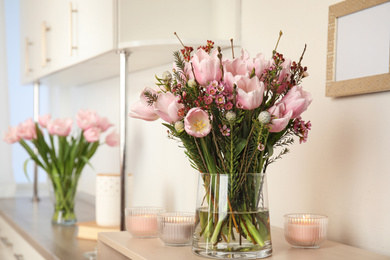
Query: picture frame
point(357, 82)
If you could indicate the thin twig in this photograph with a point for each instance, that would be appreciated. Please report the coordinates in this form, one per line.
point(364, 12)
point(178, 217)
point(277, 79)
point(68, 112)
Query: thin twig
point(231, 43)
point(177, 36)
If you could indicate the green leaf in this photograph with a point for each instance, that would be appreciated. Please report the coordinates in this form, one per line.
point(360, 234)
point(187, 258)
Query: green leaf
point(240, 146)
point(25, 169)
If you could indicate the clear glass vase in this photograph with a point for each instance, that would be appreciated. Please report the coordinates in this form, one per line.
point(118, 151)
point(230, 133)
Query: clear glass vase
point(63, 192)
point(232, 216)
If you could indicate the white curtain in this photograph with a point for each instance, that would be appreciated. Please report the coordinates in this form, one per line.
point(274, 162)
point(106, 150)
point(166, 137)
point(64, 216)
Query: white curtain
point(7, 185)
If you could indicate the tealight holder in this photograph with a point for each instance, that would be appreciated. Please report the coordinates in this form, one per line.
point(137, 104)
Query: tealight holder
point(142, 221)
point(304, 230)
point(177, 228)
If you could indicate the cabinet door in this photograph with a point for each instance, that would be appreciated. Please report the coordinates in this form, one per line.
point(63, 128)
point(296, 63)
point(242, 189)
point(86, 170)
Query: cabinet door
point(29, 39)
point(96, 32)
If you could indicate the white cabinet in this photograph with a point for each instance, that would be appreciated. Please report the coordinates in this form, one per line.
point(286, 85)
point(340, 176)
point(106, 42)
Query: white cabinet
point(87, 33)
point(59, 34)
point(13, 246)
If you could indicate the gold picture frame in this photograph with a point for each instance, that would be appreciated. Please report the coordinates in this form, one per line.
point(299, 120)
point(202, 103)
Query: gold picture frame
point(355, 86)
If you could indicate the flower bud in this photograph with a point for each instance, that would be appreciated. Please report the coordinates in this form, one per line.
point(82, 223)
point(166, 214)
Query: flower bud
point(167, 76)
point(230, 116)
point(191, 83)
point(305, 74)
point(264, 117)
point(179, 126)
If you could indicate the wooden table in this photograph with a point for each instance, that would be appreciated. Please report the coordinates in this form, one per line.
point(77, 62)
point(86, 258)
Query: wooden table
point(121, 246)
point(33, 222)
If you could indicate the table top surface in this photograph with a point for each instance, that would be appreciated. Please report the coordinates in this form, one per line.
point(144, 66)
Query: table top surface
point(154, 249)
point(33, 222)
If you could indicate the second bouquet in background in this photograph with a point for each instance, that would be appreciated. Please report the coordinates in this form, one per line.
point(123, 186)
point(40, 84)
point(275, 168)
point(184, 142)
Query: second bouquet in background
point(61, 155)
point(230, 115)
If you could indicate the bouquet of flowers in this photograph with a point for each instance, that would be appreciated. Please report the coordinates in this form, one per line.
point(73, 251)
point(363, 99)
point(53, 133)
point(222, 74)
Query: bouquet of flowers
point(60, 154)
point(230, 115)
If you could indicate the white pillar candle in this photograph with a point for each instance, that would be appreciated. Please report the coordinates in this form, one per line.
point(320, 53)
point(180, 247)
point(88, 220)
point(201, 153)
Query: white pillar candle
point(176, 228)
point(107, 203)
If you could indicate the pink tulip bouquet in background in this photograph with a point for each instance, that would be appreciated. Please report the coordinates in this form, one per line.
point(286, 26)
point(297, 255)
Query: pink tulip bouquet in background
point(62, 155)
point(230, 114)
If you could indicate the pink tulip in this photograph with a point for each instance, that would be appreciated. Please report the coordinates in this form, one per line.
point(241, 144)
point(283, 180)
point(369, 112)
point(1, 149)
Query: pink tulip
point(43, 120)
point(12, 135)
point(142, 109)
point(92, 134)
point(112, 139)
point(86, 119)
point(167, 107)
point(60, 126)
point(280, 117)
point(259, 63)
point(206, 67)
point(297, 101)
point(197, 122)
point(235, 67)
point(284, 75)
point(249, 93)
point(103, 123)
point(27, 130)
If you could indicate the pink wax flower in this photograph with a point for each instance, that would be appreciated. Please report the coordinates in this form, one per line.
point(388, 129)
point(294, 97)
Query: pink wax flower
point(167, 107)
point(280, 117)
point(249, 93)
point(142, 109)
point(43, 120)
point(92, 134)
point(112, 139)
point(86, 119)
point(208, 100)
point(220, 99)
point(197, 122)
point(103, 123)
point(12, 135)
point(297, 100)
point(27, 130)
point(60, 126)
point(206, 67)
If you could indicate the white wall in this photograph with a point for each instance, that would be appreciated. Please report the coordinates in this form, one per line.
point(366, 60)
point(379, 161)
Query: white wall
point(342, 171)
point(6, 177)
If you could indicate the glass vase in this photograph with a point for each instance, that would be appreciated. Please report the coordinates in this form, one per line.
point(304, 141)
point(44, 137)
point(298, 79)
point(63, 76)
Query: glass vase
point(63, 192)
point(232, 216)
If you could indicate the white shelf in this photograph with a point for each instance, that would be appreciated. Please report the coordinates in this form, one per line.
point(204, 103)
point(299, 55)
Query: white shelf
point(143, 55)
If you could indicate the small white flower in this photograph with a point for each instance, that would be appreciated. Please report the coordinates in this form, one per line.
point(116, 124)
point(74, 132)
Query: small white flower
point(191, 83)
point(305, 74)
point(230, 116)
point(179, 126)
point(264, 117)
point(167, 76)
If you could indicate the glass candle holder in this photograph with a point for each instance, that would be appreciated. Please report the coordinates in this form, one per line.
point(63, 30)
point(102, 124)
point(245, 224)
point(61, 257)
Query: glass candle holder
point(142, 221)
point(176, 229)
point(303, 230)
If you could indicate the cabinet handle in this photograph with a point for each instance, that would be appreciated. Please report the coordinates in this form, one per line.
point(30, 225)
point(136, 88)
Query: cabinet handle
point(44, 30)
point(71, 11)
point(27, 68)
point(18, 256)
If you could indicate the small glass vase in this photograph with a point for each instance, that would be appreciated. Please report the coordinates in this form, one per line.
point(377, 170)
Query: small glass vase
point(63, 192)
point(232, 217)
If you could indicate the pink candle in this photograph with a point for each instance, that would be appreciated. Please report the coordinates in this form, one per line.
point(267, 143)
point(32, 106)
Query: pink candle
point(142, 222)
point(305, 230)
